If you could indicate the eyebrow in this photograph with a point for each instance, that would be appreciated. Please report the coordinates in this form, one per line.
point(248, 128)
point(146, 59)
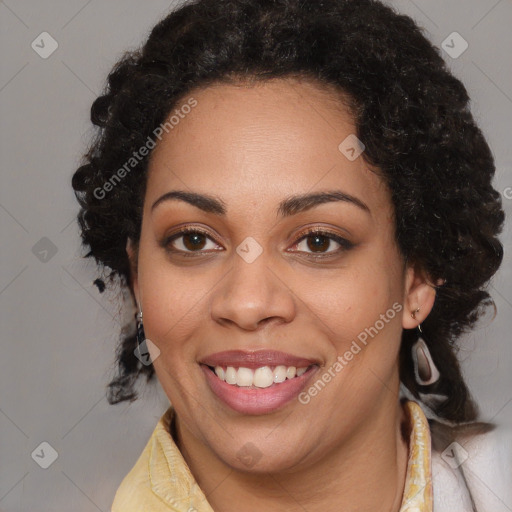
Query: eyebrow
point(290, 206)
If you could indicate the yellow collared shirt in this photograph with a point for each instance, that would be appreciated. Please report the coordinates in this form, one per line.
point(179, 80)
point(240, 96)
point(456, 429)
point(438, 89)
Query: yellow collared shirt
point(161, 481)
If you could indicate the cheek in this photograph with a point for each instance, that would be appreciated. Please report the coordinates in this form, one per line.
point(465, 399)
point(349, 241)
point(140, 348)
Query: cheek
point(357, 299)
point(173, 301)
point(360, 317)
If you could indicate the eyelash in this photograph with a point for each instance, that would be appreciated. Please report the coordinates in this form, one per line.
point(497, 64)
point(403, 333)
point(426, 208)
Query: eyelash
point(345, 244)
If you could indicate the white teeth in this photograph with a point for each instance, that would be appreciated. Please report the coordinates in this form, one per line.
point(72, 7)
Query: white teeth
point(244, 377)
point(231, 375)
point(262, 377)
point(279, 374)
point(219, 371)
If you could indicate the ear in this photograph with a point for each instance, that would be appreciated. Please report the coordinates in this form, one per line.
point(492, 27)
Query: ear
point(419, 297)
point(132, 252)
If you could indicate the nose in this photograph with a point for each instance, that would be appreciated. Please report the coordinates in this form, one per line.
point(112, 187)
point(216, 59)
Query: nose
point(252, 295)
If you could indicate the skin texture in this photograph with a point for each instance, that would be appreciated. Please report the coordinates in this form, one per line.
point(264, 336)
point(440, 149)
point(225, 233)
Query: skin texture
point(252, 147)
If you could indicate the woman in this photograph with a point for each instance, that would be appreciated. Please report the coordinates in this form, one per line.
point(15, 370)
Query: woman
point(298, 199)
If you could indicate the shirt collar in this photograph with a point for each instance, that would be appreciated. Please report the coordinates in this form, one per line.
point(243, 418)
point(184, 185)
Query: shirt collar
point(417, 496)
point(170, 476)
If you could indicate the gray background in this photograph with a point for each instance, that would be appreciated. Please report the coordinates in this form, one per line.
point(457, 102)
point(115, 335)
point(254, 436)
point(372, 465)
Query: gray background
point(58, 332)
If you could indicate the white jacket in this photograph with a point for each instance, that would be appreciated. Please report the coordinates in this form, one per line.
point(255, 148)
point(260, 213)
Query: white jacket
point(470, 472)
point(474, 473)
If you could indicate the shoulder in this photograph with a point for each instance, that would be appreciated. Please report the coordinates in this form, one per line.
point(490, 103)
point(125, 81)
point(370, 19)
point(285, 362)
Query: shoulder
point(471, 467)
point(135, 493)
point(160, 480)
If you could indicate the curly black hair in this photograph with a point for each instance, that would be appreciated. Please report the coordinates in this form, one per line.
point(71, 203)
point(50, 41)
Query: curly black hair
point(411, 113)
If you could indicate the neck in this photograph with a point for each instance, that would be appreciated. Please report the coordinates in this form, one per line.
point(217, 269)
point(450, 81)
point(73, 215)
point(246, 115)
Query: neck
point(364, 473)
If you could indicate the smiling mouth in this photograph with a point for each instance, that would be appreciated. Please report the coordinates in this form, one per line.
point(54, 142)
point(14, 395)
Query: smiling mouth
point(258, 378)
point(257, 382)
point(258, 390)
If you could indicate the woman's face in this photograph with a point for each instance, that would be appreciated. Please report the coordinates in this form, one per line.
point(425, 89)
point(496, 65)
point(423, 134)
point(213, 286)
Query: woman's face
point(250, 288)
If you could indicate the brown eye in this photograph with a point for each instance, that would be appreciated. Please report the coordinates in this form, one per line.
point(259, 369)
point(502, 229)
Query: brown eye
point(193, 241)
point(189, 240)
point(318, 242)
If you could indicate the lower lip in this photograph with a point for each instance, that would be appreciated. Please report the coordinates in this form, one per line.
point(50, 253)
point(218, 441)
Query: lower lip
point(257, 401)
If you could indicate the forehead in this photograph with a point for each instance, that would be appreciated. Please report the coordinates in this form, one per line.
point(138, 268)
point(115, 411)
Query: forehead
point(262, 141)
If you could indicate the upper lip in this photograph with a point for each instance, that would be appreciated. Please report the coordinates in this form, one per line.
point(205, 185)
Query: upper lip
point(256, 359)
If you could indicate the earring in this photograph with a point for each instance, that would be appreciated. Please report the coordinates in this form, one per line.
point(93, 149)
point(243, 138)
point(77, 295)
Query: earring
point(140, 329)
point(425, 370)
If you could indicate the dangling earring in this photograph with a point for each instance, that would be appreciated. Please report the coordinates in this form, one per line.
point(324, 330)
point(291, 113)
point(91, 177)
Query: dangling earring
point(141, 337)
point(425, 370)
point(145, 351)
